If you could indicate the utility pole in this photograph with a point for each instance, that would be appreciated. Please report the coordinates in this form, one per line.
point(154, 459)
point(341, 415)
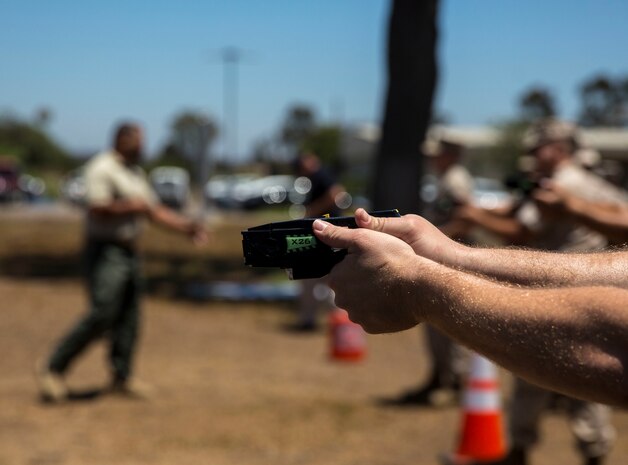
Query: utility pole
point(231, 58)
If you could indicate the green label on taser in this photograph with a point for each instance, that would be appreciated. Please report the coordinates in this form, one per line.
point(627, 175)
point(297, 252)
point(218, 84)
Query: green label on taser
point(300, 242)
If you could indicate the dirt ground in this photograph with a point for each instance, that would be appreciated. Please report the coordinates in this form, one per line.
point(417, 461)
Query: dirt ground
point(229, 388)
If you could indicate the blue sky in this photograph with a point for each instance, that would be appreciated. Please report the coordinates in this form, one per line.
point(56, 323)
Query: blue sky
point(93, 63)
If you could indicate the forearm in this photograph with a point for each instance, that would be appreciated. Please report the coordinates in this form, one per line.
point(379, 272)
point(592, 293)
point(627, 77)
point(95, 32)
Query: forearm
point(119, 207)
point(506, 227)
point(548, 269)
point(170, 219)
point(610, 220)
point(570, 340)
point(574, 340)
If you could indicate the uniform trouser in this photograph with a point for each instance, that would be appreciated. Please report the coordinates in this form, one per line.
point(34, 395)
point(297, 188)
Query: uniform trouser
point(590, 422)
point(113, 282)
point(449, 360)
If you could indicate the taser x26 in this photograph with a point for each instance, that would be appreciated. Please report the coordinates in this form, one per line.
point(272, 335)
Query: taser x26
point(291, 245)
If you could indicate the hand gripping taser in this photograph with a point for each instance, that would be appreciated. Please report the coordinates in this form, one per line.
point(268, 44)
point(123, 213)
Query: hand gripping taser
point(291, 245)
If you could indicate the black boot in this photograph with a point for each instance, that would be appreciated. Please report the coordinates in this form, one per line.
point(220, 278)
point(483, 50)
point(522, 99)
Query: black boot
point(516, 456)
point(594, 460)
point(433, 394)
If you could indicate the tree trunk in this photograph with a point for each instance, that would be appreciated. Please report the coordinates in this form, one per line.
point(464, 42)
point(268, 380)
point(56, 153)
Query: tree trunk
point(412, 75)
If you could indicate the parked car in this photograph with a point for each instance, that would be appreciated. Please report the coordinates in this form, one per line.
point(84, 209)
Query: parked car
point(219, 190)
point(9, 179)
point(73, 188)
point(17, 186)
point(269, 190)
point(172, 185)
point(31, 187)
point(246, 191)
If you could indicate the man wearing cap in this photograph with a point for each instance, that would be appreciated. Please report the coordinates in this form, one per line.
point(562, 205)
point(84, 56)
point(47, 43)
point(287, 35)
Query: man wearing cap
point(553, 143)
point(609, 219)
point(452, 187)
point(118, 198)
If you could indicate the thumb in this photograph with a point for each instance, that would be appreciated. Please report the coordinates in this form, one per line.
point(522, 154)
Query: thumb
point(334, 236)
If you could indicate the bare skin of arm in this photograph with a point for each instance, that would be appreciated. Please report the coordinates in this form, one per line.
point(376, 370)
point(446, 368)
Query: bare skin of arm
point(608, 219)
point(570, 340)
point(120, 207)
point(158, 214)
point(170, 219)
point(498, 223)
point(516, 266)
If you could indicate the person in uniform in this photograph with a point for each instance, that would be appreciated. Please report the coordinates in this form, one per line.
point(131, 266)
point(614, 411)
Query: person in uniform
point(451, 187)
point(553, 143)
point(118, 199)
point(323, 197)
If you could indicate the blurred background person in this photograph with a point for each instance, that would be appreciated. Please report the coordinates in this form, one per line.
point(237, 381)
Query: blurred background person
point(553, 144)
point(118, 198)
point(451, 186)
point(322, 198)
point(609, 219)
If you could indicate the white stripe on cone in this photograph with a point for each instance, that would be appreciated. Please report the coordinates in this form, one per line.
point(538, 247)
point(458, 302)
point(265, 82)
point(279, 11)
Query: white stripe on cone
point(482, 393)
point(481, 368)
point(481, 401)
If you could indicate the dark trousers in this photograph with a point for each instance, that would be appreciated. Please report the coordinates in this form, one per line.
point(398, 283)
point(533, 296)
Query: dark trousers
point(113, 281)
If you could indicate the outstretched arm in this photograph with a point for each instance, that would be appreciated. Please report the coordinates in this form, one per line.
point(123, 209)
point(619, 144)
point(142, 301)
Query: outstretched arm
point(170, 219)
point(525, 267)
point(610, 219)
point(571, 340)
point(505, 226)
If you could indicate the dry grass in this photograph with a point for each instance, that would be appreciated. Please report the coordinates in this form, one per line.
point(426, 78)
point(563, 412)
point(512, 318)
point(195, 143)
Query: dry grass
point(231, 388)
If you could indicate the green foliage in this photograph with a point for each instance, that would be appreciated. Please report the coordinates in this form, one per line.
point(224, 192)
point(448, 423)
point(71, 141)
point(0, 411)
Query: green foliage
point(191, 136)
point(170, 156)
point(299, 123)
point(604, 102)
point(325, 142)
point(537, 102)
point(504, 155)
point(191, 133)
point(31, 146)
point(301, 131)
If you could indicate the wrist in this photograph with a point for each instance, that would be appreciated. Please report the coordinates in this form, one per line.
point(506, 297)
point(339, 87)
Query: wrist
point(574, 206)
point(428, 288)
point(458, 255)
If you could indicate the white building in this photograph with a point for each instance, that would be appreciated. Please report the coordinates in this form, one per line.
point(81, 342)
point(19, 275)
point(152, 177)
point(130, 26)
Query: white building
point(360, 144)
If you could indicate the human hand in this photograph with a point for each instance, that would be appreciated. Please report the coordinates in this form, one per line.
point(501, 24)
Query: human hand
point(198, 234)
point(551, 199)
point(376, 281)
point(425, 239)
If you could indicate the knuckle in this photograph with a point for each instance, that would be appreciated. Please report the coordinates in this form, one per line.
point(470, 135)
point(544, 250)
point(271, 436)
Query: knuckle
point(361, 235)
point(413, 219)
point(378, 223)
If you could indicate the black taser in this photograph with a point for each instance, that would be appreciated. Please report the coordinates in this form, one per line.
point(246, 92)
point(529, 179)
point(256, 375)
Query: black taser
point(292, 245)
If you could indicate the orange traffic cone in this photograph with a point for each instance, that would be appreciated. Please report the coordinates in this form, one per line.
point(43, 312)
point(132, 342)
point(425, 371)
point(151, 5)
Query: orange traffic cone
point(482, 437)
point(347, 339)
